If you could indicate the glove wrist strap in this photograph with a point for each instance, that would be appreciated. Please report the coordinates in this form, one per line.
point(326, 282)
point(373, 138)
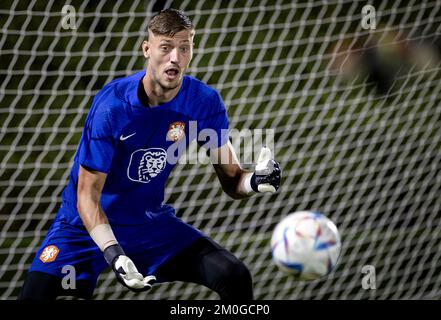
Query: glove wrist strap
point(247, 185)
point(253, 183)
point(112, 252)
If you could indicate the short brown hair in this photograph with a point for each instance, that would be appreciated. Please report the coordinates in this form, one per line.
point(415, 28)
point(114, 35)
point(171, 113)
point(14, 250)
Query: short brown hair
point(168, 22)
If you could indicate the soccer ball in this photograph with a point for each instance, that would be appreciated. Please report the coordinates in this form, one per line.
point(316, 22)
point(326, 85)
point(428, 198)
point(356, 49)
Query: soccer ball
point(306, 245)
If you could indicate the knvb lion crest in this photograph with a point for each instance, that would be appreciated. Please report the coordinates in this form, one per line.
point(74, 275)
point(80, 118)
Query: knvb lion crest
point(176, 131)
point(146, 164)
point(49, 254)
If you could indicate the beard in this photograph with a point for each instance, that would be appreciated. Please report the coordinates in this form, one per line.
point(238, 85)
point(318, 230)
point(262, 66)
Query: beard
point(169, 86)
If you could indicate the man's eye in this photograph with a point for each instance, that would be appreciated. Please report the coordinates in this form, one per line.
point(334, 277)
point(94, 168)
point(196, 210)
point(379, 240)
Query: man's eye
point(164, 48)
point(185, 49)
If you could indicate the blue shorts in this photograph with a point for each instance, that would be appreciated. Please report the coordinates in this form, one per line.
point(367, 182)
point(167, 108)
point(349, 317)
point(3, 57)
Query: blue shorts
point(148, 245)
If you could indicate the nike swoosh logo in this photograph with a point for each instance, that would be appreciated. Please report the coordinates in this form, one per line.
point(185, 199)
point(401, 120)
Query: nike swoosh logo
point(122, 138)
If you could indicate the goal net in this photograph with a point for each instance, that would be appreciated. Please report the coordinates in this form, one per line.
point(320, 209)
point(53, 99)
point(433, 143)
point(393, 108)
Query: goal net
point(353, 101)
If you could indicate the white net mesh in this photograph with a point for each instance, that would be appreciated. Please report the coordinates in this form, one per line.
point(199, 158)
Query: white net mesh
point(356, 115)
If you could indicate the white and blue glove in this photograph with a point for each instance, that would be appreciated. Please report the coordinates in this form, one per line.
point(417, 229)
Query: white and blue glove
point(126, 271)
point(267, 174)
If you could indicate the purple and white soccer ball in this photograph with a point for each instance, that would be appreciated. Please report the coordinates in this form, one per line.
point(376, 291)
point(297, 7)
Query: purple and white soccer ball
point(306, 245)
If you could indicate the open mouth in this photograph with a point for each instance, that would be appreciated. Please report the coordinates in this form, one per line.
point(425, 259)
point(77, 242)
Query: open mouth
point(172, 73)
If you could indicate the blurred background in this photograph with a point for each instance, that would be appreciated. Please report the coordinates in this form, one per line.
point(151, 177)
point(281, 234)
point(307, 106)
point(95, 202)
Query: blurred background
point(356, 114)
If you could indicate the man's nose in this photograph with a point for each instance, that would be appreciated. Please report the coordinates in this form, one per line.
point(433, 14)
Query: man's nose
point(174, 56)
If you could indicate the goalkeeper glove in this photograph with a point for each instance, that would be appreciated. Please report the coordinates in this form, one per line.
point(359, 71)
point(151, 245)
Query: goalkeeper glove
point(267, 175)
point(126, 271)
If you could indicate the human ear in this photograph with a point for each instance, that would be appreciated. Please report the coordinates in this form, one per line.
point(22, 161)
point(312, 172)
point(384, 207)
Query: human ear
point(146, 49)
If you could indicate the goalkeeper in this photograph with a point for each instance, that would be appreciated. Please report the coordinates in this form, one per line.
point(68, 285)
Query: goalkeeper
point(112, 211)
